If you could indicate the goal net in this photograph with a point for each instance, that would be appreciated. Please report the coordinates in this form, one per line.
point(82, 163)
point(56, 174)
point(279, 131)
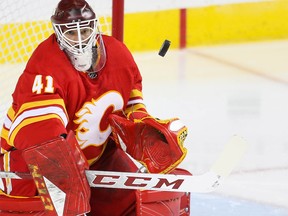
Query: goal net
point(23, 25)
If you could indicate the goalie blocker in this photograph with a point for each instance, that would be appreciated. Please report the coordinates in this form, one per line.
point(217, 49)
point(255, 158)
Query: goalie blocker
point(58, 169)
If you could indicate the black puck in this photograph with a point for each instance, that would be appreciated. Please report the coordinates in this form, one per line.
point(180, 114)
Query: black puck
point(164, 48)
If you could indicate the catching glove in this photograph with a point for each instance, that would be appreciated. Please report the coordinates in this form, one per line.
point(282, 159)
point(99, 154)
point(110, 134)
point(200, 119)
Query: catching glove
point(157, 144)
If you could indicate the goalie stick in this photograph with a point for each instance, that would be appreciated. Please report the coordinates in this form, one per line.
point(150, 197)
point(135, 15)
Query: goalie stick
point(204, 183)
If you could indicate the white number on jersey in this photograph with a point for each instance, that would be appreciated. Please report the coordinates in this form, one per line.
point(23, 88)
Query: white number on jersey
point(38, 85)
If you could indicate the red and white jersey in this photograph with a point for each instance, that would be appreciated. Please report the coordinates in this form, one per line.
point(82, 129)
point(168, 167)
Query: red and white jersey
point(51, 98)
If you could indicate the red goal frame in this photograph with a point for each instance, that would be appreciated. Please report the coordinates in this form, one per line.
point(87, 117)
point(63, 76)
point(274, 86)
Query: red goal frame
point(118, 19)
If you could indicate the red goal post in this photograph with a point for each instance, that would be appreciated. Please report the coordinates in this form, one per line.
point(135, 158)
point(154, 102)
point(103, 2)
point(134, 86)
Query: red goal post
point(118, 19)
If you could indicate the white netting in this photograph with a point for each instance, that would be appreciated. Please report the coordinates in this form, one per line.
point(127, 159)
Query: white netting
point(23, 25)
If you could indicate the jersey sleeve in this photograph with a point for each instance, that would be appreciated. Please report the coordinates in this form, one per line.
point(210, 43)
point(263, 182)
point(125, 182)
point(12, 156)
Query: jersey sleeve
point(37, 114)
point(4, 144)
point(136, 101)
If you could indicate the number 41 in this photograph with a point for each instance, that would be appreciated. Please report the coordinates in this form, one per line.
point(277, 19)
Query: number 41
point(38, 85)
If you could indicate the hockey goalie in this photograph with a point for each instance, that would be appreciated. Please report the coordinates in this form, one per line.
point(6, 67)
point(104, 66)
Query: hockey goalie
point(78, 106)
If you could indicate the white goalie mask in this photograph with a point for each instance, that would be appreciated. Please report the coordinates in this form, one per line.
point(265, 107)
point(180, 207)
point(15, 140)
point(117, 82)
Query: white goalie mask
point(75, 26)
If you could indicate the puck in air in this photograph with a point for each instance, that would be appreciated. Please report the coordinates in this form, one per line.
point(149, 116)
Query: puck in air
point(164, 48)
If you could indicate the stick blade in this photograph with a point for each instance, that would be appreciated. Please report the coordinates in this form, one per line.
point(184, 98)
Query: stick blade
point(230, 157)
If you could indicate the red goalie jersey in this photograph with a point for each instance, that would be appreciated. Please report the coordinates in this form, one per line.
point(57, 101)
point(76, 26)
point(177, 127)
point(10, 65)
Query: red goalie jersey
point(52, 98)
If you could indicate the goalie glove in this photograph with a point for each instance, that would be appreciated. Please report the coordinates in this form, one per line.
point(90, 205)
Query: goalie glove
point(157, 144)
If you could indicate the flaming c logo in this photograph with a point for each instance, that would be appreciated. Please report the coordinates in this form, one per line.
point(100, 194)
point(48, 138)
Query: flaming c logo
point(89, 119)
